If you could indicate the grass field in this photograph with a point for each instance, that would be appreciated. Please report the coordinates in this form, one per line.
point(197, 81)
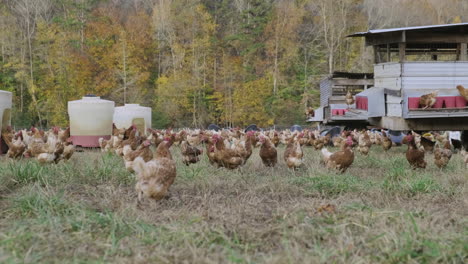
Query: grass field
point(380, 211)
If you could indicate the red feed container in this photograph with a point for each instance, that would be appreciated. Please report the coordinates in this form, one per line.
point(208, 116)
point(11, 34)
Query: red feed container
point(413, 102)
point(460, 102)
point(449, 101)
point(439, 102)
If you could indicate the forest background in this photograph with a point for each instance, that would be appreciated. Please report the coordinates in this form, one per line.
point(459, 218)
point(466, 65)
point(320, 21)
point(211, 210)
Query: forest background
point(195, 62)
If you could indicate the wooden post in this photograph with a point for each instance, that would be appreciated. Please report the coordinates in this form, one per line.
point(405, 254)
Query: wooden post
point(376, 54)
point(402, 50)
point(388, 53)
point(463, 55)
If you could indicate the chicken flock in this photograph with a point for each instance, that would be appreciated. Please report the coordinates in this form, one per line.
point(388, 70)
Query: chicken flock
point(231, 149)
point(46, 146)
point(149, 156)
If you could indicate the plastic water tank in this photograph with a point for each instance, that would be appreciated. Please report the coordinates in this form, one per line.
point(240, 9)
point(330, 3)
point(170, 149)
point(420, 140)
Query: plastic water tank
point(133, 114)
point(6, 99)
point(90, 119)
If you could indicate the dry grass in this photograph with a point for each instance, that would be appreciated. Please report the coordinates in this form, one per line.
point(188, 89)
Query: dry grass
point(382, 212)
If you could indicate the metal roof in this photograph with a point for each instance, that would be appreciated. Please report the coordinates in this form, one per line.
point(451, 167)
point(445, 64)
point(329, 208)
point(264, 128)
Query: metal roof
point(379, 31)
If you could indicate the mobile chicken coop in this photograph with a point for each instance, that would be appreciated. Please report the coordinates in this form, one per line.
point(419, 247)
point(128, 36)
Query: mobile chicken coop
point(411, 62)
point(333, 108)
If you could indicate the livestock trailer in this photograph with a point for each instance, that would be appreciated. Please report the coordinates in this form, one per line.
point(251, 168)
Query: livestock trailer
point(411, 62)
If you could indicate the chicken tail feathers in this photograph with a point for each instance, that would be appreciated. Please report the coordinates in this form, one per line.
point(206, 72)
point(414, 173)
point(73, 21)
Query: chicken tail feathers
point(326, 153)
point(127, 149)
point(46, 157)
point(101, 142)
point(139, 165)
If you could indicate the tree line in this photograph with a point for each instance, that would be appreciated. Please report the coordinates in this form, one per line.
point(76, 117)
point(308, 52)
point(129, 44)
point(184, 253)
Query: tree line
point(195, 62)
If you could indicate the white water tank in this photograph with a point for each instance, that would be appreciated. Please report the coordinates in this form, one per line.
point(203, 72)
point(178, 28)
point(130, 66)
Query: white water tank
point(90, 119)
point(6, 99)
point(133, 114)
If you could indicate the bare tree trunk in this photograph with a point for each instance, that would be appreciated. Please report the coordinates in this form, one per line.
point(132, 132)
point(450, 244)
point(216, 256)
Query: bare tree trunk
point(173, 61)
point(305, 75)
point(214, 73)
point(82, 18)
point(3, 50)
point(226, 92)
point(275, 69)
point(31, 71)
point(275, 74)
point(159, 63)
point(23, 59)
point(124, 53)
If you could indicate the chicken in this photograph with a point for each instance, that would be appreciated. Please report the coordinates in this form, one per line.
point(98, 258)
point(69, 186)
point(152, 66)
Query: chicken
point(293, 153)
point(349, 99)
point(156, 137)
point(442, 155)
point(210, 151)
point(428, 100)
point(309, 112)
point(337, 141)
point(116, 131)
point(130, 155)
point(37, 145)
point(226, 157)
point(386, 142)
point(16, 147)
point(340, 160)
point(7, 135)
point(127, 133)
point(68, 151)
point(304, 141)
point(414, 155)
point(106, 145)
point(364, 143)
point(441, 138)
point(133, 140)
point(116, 143)
point(268, 152)
point(154, 178)
point(194, 139)
point(179, 137)
point(190, 154)
point(320, 142)
point(52, 156)
point(463, 92)
point(427, 141)
point(64, 135)
point(465, 157)
point(275, 139)
point(244, 147)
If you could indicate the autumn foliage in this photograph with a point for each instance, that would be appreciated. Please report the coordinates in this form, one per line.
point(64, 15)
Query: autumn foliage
point(194, 62)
